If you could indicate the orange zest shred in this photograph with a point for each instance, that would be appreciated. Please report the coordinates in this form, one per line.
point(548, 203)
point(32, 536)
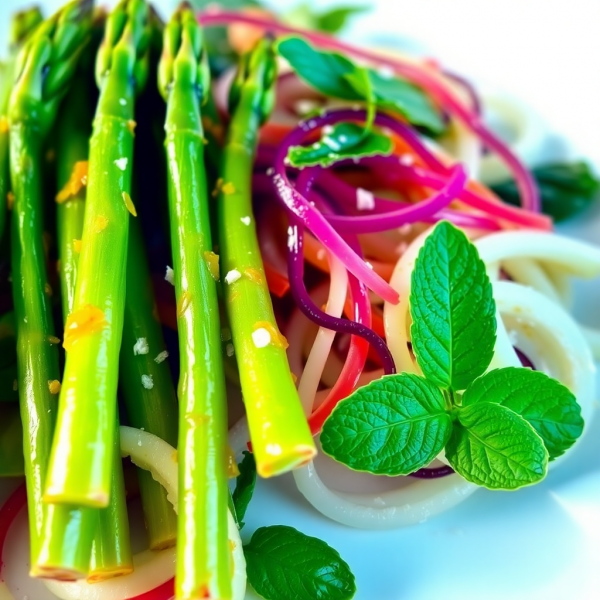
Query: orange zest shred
point(184, 303)
point(48, 289)
point(277, 338)
point(77, 181)
point(212, 262)
point(228, 188)
point(254, 275)
point(54, 386)
point(131, 125)
point(100, 223)
point(232, 468)
point(129, 204)
point(10, 200)
point(77, 246)
point(218, 186)
point(82, 322)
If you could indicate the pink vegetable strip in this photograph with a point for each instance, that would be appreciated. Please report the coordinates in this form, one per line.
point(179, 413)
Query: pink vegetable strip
point(432, 83)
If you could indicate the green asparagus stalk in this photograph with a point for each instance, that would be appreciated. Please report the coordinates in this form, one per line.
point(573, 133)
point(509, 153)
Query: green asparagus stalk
point(22, 25)
point(44, 70)
point(69, 536)
point(280, 436)
point(11, 441)
point(81, 460)
point(147, 385)
point(203, 558)
point(111, 550)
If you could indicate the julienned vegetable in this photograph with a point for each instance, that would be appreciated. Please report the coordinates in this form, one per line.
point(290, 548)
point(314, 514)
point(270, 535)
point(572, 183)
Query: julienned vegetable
point(43, 73)
point(281, 439)
point(203, 554)
point(81, 458)
point(353, 192)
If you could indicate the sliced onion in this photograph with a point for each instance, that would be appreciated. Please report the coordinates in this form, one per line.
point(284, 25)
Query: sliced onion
point(151, 569)
point(572, 256)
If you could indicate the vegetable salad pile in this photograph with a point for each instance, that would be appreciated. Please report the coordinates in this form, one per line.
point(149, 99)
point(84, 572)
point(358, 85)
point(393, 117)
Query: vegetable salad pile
point(294, 230)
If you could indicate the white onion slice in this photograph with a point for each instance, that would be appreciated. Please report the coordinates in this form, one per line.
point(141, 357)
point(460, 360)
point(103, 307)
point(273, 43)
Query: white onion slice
point(151, 569)
point(572, 256)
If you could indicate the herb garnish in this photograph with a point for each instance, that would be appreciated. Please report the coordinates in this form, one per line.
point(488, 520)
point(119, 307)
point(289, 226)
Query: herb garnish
point(337, 76)
point(283, 563)
point(342, 141)
point(566, 189)
point(498, 429)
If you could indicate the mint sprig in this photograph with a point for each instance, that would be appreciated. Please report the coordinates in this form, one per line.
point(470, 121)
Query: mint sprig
point(337, 76)
point(283, 563)
point(498, 429)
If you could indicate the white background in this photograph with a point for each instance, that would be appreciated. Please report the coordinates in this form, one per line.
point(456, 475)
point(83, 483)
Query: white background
point(545, 51)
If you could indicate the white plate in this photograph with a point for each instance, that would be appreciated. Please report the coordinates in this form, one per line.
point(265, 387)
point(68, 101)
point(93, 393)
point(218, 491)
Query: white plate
point(540, 543)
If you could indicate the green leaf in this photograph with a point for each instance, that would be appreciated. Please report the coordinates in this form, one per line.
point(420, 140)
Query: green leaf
point(453, 310)
point(494, 447)
point(360, 81)
point(335, 19)
point(547, 405)
point(284, 564)
point(244, 486)
point(566, 189)
point(334, 75)
point(324, 71)
point(410, 101)
point(392, 426)
point(343, 141)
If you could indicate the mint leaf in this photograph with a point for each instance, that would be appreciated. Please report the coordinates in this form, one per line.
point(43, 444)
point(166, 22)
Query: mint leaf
point(547, 405)
point(494, 447)
point(392, 426)
point(335, 19)
point(343, 141)
point(244, 486)
point(565, 189)
point(284, 564)
point(334, 75)
point(407, 99)
point(360, 80)
point(324, 71)
point(453, 310)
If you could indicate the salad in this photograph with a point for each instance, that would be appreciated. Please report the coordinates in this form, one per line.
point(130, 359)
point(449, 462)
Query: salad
point(316, 243)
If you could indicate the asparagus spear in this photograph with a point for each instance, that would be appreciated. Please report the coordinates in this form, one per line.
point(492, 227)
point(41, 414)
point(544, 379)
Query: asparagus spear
point(203, 568)
point(22, 25)
point(280, 436)
point(8, 358)
point(147, 386)
point(81, 460)
point(44, 70)
point(75, 536)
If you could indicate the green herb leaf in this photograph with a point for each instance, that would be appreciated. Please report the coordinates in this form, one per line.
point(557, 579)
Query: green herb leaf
point(324, 71)
point(547, 405)
point(410, 101)
point(335, 19)
point(335, 75)
point(453, 310)
point(566, 189)
point(244, 486)
point(344, 140)
point(282, 563)
point(494, 447)
point(360, 81)
point(393, 426)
